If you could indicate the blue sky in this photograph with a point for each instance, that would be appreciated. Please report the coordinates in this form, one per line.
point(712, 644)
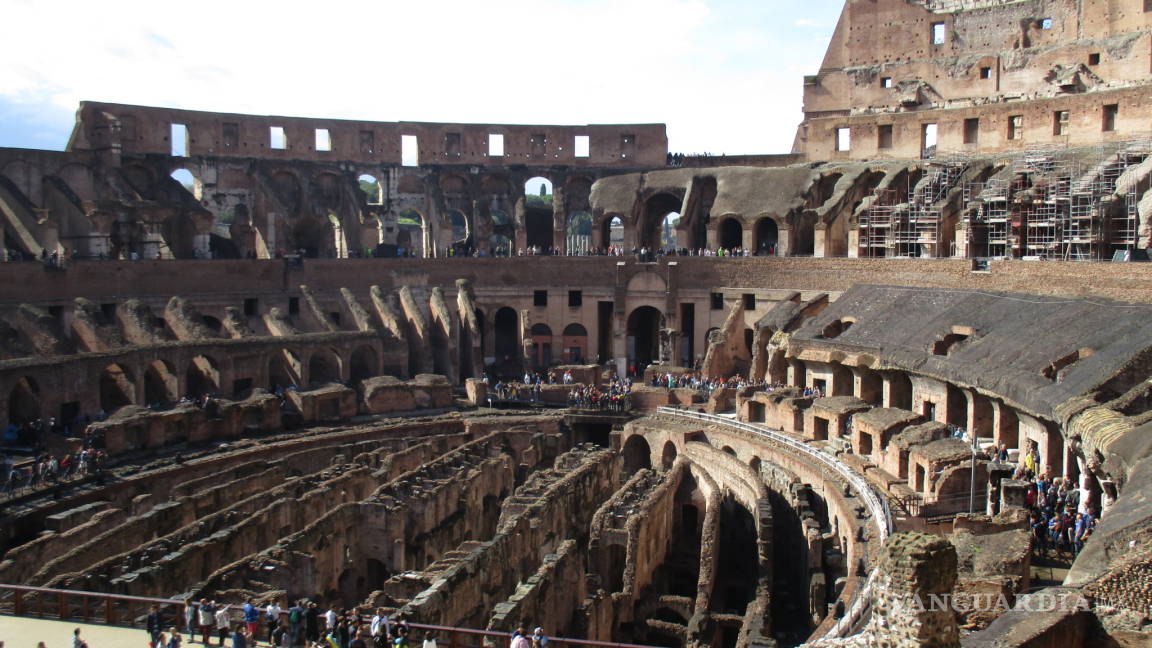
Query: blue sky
point(725, 77)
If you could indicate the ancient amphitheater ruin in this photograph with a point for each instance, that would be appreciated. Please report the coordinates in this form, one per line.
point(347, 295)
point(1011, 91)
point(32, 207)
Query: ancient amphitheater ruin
point(299, 374)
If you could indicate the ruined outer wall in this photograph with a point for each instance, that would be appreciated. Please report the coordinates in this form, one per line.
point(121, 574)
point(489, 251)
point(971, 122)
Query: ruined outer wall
point(992, 56)
point(146, 130)
point(197, 280)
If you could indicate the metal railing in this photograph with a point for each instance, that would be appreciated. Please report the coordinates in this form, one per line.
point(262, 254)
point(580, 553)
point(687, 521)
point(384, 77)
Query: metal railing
point(129, 611)
point(877, 505)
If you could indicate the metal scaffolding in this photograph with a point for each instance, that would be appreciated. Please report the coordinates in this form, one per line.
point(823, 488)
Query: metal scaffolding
point(876, 223)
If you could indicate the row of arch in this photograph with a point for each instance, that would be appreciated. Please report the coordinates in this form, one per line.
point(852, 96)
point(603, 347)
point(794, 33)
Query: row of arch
point(160, 383)
point(667, 221)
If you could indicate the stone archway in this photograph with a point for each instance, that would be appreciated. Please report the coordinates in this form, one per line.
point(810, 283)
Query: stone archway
point(117, 388)
point(637, 455)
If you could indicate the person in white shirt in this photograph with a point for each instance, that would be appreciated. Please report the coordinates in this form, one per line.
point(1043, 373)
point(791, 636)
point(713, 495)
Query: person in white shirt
point(273, 617)
point(379, 627)
point(223, 622)
point(330, 619)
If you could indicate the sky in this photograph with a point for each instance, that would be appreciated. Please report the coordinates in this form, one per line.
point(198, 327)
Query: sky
point(725, 76)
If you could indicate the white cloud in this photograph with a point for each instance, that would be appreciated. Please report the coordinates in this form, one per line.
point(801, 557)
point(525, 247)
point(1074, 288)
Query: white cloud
point(687, 63)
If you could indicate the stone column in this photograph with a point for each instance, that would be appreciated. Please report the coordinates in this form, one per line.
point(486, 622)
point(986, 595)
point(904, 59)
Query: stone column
point(559, 219)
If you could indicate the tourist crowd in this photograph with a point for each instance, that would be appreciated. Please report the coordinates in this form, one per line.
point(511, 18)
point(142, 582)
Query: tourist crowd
point(1060, 522)
point(305, 623)
point(694, 380)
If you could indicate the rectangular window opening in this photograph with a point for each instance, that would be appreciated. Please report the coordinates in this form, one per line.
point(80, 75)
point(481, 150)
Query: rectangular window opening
point(749, 301)
point(582, 146)
point(885, 82)
point(884, 136)
point(1094, 58)
point(293, 306)
point(1045, 23)
point(928, 134)
point(843, 139)
point(972, 130)
point(323, 140)
point(495, 145)
point(986, 72)
point(938, 33)
point(575, 298)
point(1109, 118)
point(409, 151)
point(717, 301)
point(251, 307)
point(1060, 121)
point(539, 297)
point(277, 139)
point(1015, 127)
point(179, 140)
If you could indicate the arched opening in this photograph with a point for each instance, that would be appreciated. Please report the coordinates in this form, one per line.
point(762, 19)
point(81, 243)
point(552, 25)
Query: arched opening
point(668, 455)
point(538, 213)
point(637, 455)
point(957, 407)
point(541, 345)
point(899, 391)
point(363, 364)
point(323, 367)
point(579, 232)
point(767, 237)
point(461, 232)
point(737, 562)
point(339, 247)
point(754, 464)
point(190, 182)
point(728, 450)
point(117, 388)
point(668, 231)
point(506, 338)
point(657, 209)
point(161, 387)
point(202, 376)
point(410, 234)
point(370, 187)
point(612, 232)
point(731, 234)
point(283, 370)
point(500, 242)
point(575, 343)
point(24, 402)
point(643, 339)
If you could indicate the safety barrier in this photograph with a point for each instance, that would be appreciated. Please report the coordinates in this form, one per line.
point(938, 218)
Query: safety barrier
point(131, 611)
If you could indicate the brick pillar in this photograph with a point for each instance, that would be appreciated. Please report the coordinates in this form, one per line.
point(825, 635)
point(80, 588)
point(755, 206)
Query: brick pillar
point(559, 220)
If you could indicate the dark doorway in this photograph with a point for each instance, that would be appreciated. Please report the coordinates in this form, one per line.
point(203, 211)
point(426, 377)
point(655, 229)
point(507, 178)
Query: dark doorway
point(363, 364)
point(637, 455)
point(731, 234)
point(767, 237)
point(604, 326)
point(687, 334)
point(736, 572)
point(644, 326)
point(506, 325)
point(24, 402)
